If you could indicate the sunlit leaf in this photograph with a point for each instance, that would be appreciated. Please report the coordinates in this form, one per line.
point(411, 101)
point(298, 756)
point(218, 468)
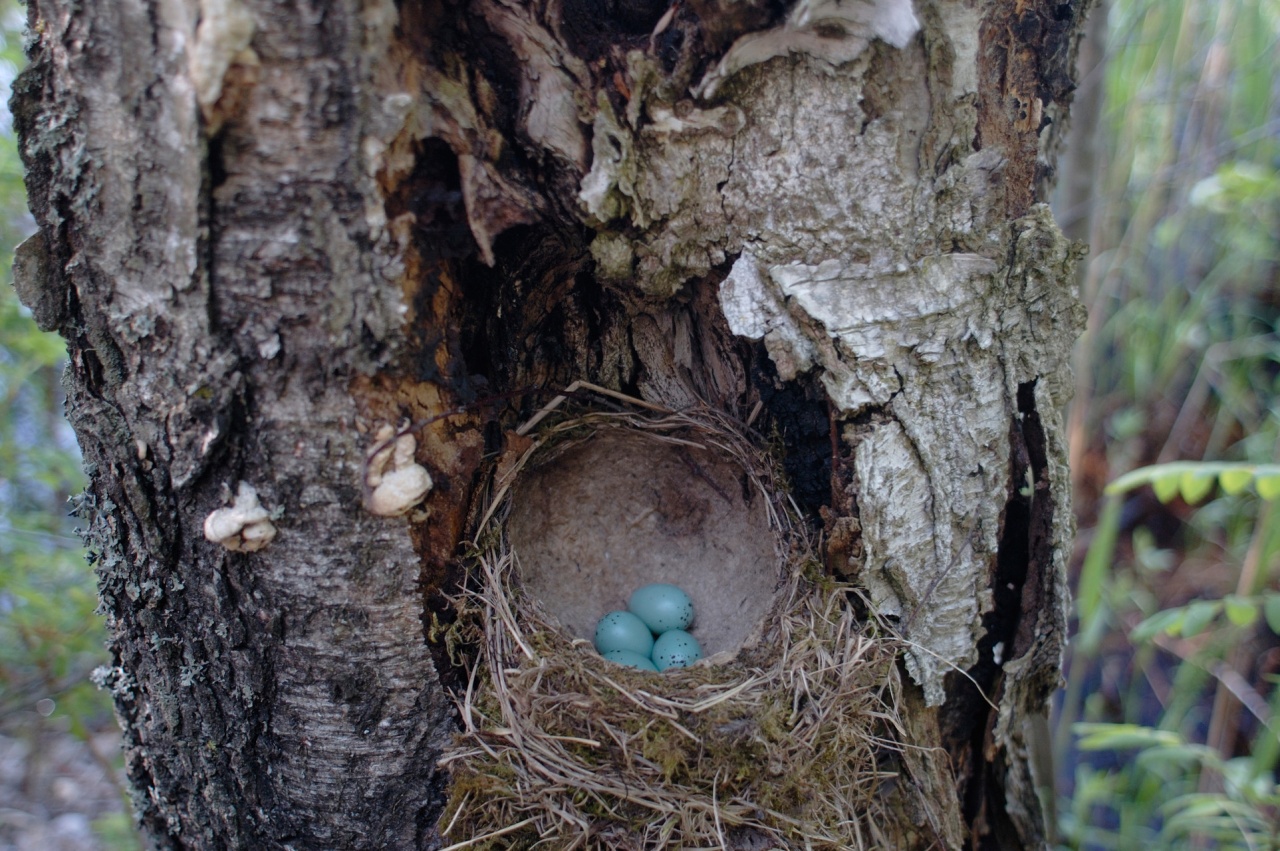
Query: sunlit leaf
point(1158, 475)
point(1271, 610)
point(1168, 621)
point(1234, 481)
point(1166, 487)
point(1241, 611)
point(1182, 755)
point(1199, 615)
point(1095, 737)
point(1197, 811)
point(1198, 806)
point(1268, 486)
point(1195, 485)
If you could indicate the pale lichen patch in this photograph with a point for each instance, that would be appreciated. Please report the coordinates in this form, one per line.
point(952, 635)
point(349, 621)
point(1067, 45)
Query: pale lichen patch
point(890, 291)
point(757, 311)
point(834, 31)
point(606, 187)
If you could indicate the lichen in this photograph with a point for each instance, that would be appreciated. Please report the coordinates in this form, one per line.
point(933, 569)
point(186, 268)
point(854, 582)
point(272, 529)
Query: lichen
point(831, 31)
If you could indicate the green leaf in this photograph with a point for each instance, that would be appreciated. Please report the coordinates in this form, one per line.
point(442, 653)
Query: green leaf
point(1271, 610)
point(1235, 480)
point(1166, 486)
point(1241, 611)
point(1195, 485)
point(1193, 810)
point(1168, 621)
point(1100, 737)
point(1268, 486)
point(1183, 755)
point(1097, 568)
point(1233, 474)
point(1199, 615)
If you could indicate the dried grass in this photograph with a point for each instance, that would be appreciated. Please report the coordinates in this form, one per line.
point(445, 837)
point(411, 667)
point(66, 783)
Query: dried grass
point(780, 746)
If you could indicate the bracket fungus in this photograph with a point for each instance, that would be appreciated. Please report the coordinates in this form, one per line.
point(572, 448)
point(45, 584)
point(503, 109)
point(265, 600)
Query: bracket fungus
point(244, 526)
point(395, 482)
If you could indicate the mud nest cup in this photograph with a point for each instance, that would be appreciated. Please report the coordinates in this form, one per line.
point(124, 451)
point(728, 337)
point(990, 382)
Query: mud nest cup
point(782, 737)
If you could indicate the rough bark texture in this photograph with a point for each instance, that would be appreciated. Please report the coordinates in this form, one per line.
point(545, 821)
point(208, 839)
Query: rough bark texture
point(268, 227)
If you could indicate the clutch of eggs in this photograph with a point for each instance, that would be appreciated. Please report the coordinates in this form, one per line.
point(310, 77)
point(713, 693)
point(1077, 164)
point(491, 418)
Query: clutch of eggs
point(658, 609)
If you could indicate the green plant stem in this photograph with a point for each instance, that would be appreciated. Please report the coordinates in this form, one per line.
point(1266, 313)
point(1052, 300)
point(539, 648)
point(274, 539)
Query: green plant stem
point(1224, 720)
point(1089, 609)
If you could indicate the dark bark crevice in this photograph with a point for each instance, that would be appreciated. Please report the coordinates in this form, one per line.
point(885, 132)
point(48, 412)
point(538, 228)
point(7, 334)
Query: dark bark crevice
point(797, 417)
point(1018, 593)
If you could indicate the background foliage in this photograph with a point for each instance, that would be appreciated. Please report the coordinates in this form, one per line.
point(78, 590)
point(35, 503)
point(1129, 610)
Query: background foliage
point(1165, 735)
point(51, 716)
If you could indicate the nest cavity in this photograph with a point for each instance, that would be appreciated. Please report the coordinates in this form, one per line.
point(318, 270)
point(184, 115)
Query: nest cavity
point(782, 738)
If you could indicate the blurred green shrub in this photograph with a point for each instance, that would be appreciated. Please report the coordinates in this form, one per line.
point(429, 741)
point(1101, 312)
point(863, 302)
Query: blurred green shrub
point(50, 637)
point(1164, 788)
point(1166, 735)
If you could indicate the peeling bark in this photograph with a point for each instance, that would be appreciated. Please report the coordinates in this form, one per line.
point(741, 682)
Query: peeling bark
point(268, 229)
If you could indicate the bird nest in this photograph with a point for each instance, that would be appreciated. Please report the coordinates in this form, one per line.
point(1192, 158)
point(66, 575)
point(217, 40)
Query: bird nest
point(783, 737)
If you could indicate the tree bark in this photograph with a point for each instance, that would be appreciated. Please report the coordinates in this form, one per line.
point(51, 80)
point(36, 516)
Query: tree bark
point(268, 228)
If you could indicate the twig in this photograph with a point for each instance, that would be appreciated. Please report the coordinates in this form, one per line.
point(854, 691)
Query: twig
point(475, 840)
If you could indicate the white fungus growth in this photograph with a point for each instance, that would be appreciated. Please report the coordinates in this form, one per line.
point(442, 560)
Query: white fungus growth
point(243, 527)
point(395, 490)
point(225, 30)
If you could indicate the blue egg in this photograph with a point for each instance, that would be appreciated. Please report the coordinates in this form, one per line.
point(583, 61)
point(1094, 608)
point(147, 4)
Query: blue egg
point(623, 631)
point(676, 649)
point(662, 607)
point(635, 660)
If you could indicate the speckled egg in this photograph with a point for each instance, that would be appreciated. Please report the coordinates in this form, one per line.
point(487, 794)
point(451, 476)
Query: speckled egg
point(662, 607)
point(676, 649)
point(623, 631)
point(634, 660)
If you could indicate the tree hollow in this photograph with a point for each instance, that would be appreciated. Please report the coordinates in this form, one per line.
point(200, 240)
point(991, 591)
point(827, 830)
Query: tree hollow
point(623, 509)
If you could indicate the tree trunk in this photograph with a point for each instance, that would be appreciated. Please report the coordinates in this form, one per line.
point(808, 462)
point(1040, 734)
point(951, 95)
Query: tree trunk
point(269, 228)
